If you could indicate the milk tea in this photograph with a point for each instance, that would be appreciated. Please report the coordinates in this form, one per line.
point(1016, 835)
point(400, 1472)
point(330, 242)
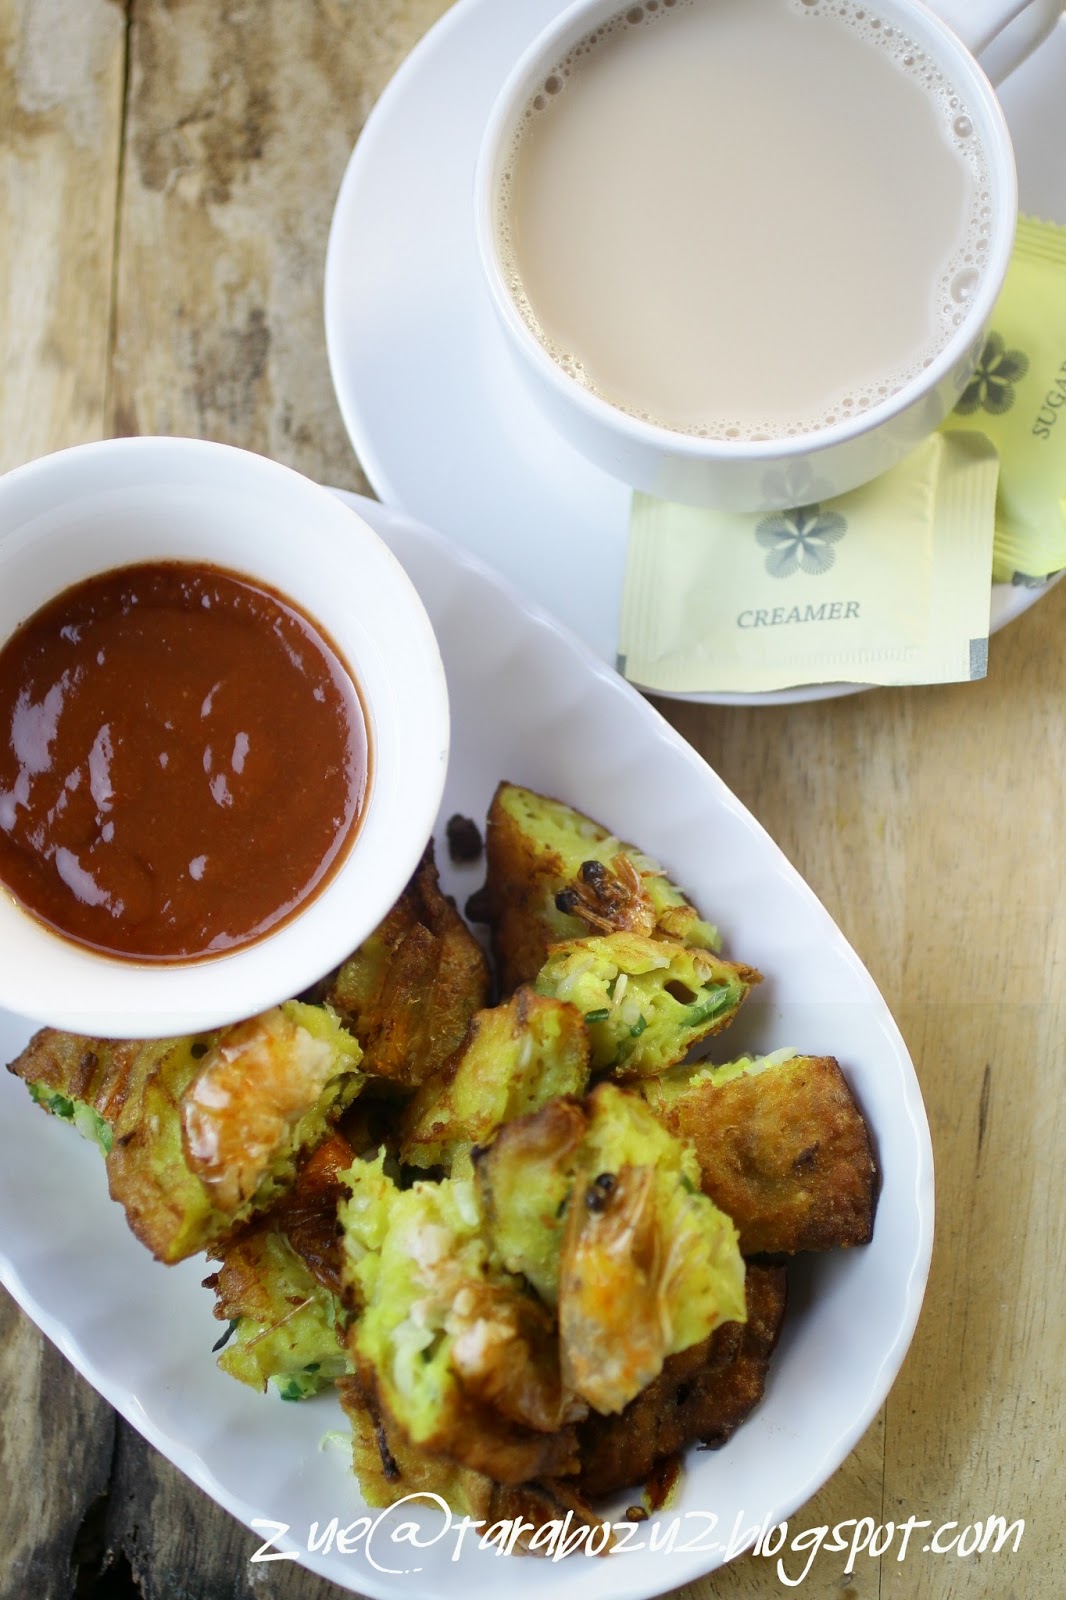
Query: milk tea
point(745, 218)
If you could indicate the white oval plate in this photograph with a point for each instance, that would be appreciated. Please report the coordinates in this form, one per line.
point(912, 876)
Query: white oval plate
point(532, 704)
point(440, 420)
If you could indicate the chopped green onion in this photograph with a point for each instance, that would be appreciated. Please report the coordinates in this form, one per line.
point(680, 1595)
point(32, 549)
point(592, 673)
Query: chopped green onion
point(597, 1016)
point(226, 1337)
point(53, 1101)
point(713, 1001)
point(298, 1385)
point(88, 1121)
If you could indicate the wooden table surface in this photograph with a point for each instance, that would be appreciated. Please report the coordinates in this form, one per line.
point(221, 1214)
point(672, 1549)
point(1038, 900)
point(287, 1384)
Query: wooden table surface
point(167, 174)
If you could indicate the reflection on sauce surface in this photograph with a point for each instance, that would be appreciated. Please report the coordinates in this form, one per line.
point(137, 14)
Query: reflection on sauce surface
point(183, 761)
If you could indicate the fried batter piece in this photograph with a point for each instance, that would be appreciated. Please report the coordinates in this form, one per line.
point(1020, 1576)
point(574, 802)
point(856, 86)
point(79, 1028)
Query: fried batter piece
point(217, 1138)
point(456, 1352)
point(284, 1322)
point(782, 1146)
point(410, 990)
point(87, 1081)
point(389, 1468)
point(203, 1132)
point(265, 1090)
point(307, 1214)
point(543, 1507)
point(514, 1059)
point(554, 874)
point(646, 1001)
point(612, 1228)
point(279, 1283)
point(702, 1394)
point(524, 1180)
point(647, 1267)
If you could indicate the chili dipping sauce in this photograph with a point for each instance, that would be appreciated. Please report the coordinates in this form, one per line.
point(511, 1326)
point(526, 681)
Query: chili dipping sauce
point(183, 761)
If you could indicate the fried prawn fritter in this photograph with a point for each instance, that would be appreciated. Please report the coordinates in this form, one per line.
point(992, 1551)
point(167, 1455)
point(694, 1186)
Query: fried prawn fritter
point(409, 991)
point(203, 1132)
point(643, 1265)
point(648, 1266)
point(645, 1001)
point(524, 1179)
point(266, 1090)
point(554, 874)
point(782, 1146)
point(702, 1395)
point(389, 1468)
point(538, 1513)
point(279, 1283)
point(307, 1213)
point(514, 1059)
point(457, 1353)
point(87, 1081)
point(283, 1321)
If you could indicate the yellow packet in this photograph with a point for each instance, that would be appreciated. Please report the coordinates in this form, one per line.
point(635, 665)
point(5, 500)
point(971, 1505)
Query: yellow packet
point(1018, 398)
point(889, 584)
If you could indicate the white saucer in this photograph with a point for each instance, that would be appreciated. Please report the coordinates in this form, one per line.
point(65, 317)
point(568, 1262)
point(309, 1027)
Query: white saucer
point(438, 417)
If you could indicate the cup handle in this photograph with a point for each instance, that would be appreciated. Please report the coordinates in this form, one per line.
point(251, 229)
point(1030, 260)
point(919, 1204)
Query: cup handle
point(1000, 33)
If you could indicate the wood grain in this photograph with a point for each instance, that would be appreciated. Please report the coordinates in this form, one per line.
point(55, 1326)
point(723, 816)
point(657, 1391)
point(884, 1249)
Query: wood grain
point(931, 824)
point(60, 131)
point(204, 141)
point(56, 1443)
point(60, 128)
point(241, 121)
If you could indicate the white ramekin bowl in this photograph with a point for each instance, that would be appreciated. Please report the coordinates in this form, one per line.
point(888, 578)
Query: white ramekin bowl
point(101, 506)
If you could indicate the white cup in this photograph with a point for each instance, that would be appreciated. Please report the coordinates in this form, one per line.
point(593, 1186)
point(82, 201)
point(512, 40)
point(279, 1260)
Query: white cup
point(745, 474)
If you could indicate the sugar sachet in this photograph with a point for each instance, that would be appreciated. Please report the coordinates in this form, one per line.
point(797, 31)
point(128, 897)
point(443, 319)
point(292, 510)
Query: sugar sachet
point(1017, 397)
point(888, 584)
